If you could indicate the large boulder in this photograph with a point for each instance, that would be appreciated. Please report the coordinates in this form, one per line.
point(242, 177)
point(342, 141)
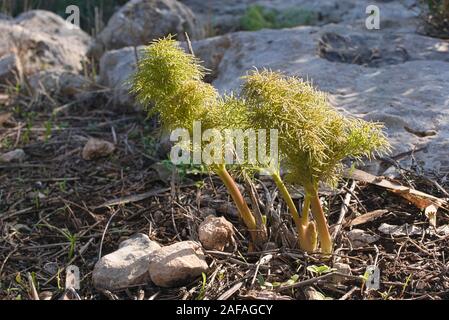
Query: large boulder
point(42, 48)
point(43, 40)
point(141, 21)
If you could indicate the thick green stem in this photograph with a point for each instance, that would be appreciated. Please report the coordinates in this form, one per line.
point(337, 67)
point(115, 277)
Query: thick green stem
point(288, 199)
point(321, 223)
point(242, 207)
point(306, 229)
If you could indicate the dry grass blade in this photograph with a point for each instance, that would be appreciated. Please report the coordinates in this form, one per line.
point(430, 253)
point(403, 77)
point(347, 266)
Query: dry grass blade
point(229, 293)
point(133, 198)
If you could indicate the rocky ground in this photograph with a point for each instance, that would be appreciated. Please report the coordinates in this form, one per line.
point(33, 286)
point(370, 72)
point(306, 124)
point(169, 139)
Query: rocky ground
point(84, 178)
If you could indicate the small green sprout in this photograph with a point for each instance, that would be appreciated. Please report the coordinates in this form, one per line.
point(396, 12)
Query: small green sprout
point(48, 130)
point(319, 270)
point(202, 292)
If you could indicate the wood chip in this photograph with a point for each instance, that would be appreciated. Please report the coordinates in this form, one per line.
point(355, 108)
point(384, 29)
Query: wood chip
point(367, 217)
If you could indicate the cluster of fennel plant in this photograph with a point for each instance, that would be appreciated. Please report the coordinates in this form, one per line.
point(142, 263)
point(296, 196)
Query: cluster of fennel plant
point(313, 140)
point(313, 137)
point(169, 82)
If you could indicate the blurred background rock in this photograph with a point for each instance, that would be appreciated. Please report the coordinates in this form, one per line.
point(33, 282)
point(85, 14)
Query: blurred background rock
point(94, 13)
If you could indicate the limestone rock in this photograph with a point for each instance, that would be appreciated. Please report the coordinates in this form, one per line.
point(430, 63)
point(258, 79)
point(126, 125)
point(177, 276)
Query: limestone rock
point(43, 41)
point(177, 264)
point(125, 267)
point(139, 22)
point(226, 18)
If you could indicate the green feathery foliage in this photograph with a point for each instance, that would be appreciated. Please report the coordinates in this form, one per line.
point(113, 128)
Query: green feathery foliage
point(313, 140)
point(170, 81)
point(313, 136)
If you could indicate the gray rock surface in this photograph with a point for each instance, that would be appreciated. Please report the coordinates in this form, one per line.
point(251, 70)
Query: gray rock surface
point(408, 94)
point(125, 267)
point(43, 40)
point(360, 238)
point(226, 18)
point(177, 264)
point(139, 22)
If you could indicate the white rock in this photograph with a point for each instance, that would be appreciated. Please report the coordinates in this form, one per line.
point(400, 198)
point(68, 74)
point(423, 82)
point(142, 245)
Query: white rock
point(215, 233)
point(139, 22)
point(125, 267)
point(17, 155)
point(96, 148)
point(177, 264)
point(360, 238)
point(43, 41)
